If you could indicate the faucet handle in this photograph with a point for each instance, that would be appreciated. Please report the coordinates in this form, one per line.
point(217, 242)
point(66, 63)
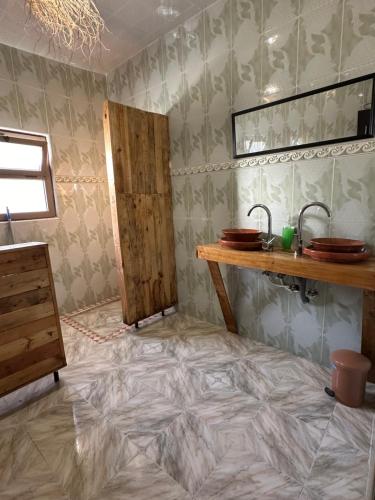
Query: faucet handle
point(267, 245)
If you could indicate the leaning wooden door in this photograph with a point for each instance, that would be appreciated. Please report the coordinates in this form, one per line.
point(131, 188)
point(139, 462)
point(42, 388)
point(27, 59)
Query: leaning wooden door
point(137, 154)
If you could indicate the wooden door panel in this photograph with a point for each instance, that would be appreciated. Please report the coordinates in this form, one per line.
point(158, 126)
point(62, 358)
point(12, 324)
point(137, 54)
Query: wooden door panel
point(137, 150)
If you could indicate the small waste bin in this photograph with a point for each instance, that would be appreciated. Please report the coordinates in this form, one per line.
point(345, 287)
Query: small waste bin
point(349, 376)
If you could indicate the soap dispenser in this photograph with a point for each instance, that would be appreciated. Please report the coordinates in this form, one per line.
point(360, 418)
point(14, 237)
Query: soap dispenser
point(287, 236)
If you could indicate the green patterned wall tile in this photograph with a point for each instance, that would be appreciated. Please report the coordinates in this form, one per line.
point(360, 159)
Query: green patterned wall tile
point(80, 85)
point(55, 77)
point(178, 143)
point(218, 29)
point(173, 63)
point(220, 196)
point(9, 112)
point(182, 196)
point(6, 66)
point(358, 34)
point(27, 68)
point(276, 13)
point(58, 114)
point(276, 189)
point(246, 192)
point(32, 106)
point(193, 48)
point(309, 5)
point(245, 302)
point(354, 188)
point(65, 156)
point(116, 84)
point(342, 325)
point(306, 324)
point(156, 63)
point(200, 184)
point(319, 43)
point(201, 289)
point(156, 99)
point(202, 233)
point(279, 59)
point(272, 310)
point(246, 56)
point(312, 182)
point(184, 239)
point(141, 72)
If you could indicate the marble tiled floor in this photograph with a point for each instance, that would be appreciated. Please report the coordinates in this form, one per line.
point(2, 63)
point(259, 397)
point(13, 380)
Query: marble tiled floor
point(183, 410)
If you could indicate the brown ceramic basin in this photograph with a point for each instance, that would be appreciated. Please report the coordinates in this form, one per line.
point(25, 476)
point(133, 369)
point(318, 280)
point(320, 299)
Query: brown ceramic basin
point(240, 245)
point(242, 234)
point(339, 257)
point(342, 245)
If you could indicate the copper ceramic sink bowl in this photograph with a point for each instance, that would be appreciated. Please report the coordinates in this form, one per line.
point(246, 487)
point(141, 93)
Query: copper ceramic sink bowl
point(240, 245)
point(339, 257)
point(241, 234)
point(342, 245)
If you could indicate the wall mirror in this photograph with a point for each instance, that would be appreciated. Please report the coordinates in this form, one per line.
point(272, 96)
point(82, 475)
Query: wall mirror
point(336, 113)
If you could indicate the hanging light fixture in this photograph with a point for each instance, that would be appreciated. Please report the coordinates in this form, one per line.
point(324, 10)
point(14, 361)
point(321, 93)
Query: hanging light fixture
point(74, 24)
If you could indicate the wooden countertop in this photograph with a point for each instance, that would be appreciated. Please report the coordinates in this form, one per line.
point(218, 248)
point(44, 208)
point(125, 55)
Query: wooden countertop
point(21, 246)
point(360, 275)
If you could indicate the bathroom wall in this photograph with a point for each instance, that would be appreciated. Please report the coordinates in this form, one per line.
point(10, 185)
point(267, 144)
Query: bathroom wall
point(40, 95)
point(237, 54)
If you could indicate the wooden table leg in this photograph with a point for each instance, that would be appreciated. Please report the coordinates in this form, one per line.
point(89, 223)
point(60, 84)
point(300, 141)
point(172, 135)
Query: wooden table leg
point(222, 296)
point(368, 330)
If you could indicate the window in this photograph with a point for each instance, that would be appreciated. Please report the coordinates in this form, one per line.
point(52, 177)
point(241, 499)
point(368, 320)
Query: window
point(25, 177)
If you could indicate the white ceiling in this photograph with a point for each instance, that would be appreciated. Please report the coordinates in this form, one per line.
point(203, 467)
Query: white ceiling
point(132, 25)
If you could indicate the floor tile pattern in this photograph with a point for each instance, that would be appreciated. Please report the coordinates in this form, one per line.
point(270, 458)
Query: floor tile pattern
point(180, 409)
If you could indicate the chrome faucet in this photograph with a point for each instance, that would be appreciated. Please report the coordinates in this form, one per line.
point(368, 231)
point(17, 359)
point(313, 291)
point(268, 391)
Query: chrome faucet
point(267, 243)
point(300, 220)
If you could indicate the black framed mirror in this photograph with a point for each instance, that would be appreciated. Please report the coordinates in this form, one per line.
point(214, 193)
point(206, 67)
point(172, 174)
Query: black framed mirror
point(336, 113)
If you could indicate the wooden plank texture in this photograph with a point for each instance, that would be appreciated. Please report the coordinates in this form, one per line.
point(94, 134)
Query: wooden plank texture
point(32, 259)
point(360, 275)
point(25, 300)
point(20, 361)
point(29, 374)
point(222, 296)
point(137, 151)
point(31, 343)
point(23, 316)
point(13, 284)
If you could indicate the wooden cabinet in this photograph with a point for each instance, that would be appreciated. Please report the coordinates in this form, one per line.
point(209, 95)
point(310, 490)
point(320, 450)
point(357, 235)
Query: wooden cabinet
point(137, 153)
point(31, 344)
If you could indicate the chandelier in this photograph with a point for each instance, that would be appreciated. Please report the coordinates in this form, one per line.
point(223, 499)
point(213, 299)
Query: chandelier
point(74, 24)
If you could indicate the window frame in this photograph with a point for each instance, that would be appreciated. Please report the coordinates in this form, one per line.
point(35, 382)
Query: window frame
point(44, 174)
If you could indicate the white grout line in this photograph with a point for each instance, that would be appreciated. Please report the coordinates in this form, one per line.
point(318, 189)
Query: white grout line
point(298, 35)
point(15, 83)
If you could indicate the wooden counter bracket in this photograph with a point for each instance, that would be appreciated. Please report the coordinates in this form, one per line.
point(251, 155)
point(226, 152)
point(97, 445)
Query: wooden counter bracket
point(222, 296)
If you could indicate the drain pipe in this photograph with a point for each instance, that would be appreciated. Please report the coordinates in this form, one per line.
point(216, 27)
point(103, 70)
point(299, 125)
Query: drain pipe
point(293, 284)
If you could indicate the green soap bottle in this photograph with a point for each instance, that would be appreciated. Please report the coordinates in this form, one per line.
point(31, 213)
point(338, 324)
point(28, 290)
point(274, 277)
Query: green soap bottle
point(287, 236)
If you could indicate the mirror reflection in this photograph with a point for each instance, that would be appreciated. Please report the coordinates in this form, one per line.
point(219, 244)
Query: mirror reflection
point(329, 115)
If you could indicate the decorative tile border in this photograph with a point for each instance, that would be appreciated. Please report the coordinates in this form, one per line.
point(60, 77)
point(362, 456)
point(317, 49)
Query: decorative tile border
point(93, 335)
point(69, 320)
point(103, 302)
point(78, 179)
point(332, 151)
